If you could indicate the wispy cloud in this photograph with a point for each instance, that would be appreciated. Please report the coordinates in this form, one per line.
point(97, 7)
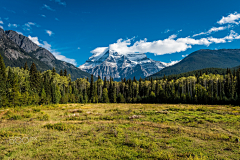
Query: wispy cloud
point(48, 46)
point(47, 7)
point(43, 15)
point(78, 48)
point(167, 30)
point(56, 19)
point(28, 26)
point(1, 22)
point(231, 18)
point(213, 29)
point(12, 25)
point(8, 10)
point(185, 55)
point(1, 26)
point(60, 2)
point(49, 32)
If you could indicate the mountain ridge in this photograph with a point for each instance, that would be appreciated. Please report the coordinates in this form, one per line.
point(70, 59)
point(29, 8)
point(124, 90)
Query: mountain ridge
point(204, 58)
point(17, 49)
point(110, 63)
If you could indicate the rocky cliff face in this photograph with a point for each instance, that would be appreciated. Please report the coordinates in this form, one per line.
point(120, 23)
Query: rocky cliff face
point(17, 49)
point(112, 64)
point(23, 42)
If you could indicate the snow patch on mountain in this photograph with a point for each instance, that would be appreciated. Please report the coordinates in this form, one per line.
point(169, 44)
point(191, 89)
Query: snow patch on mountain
point(108, 63)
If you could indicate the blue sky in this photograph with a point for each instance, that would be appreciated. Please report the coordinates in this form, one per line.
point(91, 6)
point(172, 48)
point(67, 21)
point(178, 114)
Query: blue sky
point(165, 30)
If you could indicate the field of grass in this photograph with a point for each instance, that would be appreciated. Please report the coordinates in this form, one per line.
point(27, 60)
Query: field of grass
point(120, 131)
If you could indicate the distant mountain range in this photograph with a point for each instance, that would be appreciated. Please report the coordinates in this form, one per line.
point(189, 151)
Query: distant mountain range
point(17, 49)
point(110, 63)
point(204, 58)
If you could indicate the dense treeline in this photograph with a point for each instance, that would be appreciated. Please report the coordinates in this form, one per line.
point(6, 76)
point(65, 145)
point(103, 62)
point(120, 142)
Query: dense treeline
point(26, 86)
point(221, 71)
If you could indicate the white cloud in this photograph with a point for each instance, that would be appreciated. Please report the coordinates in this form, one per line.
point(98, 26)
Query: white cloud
point(231, 18)
point(1, 22)
point(12, 25)
point(49, 32)
point(98, 50)
point(166, 46)
point(1, 26)
point(28, 26)
point(167, 30)
point(47, 7)
point(19, 32)
point(171, 63)
point(43, 15)
point(35, 40)
point(213, 29)
point(185, 55)
point(159, 47)
point(78, 48)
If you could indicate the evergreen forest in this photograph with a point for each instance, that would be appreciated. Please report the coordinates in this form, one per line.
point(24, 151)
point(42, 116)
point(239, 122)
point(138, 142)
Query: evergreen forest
point(28, 86)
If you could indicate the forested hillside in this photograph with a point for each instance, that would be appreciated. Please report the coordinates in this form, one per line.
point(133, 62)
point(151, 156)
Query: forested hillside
point(204, 58)
point(220, 71)
point(23, 86)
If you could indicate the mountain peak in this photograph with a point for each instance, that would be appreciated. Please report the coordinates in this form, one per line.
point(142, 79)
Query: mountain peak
point(106, 62)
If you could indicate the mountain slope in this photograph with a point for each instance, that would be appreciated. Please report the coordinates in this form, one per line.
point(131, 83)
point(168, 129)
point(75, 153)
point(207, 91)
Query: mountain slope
point(17, 49)
point(223, 58)
point(111, 63)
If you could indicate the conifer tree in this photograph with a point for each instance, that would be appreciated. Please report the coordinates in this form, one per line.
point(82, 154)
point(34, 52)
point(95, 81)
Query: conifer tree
point(91, 89)
point(35, 81)
point(65, 72)
point(61, 73)
point(2, 81)
point(105, 83)
point(53, 71)
point(25, 66)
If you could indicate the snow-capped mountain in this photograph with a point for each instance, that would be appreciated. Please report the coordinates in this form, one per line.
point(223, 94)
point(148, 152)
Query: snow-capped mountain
point(106, 63)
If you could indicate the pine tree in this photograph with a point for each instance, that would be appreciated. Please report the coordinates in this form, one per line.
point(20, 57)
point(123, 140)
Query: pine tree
point(3, 79)
point(61, 73)
point(114, 93)
point(35, 79)
point(105, 83)
point(65, 72)
point(91, 89)
point(53, 71)
point(25, 66)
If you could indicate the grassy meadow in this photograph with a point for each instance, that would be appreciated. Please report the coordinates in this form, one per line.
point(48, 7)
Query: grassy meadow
point(120, 131)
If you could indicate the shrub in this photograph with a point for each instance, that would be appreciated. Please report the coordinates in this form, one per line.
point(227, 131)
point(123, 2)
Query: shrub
point(28, 115)
point(60, 126)
point(36, 110)
point(16, 117)
point(44, 117)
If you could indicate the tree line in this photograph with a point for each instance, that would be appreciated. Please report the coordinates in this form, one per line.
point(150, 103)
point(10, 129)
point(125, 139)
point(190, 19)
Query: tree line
point(28, 86)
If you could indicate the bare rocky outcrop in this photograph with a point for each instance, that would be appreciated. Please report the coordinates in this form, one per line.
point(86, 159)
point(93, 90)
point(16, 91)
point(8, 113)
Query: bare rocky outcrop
point(23, 42)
